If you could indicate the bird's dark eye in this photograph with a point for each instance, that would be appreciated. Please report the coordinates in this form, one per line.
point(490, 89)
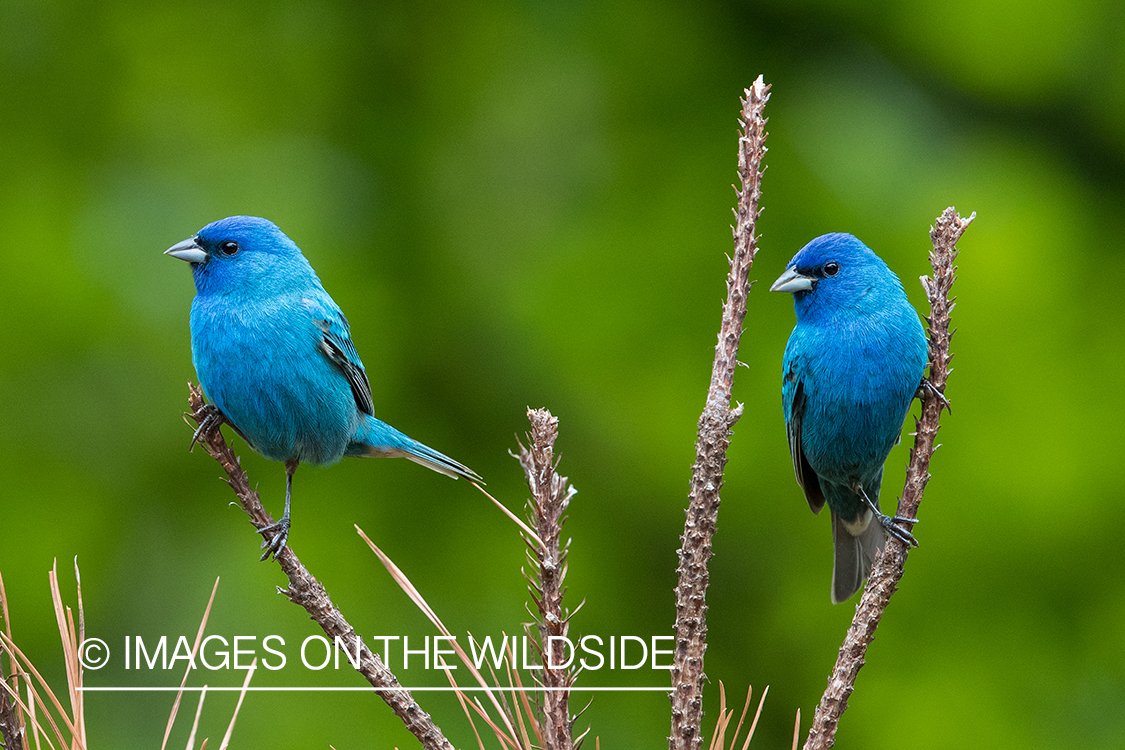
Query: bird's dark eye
point(831, 268)
point(230, 247)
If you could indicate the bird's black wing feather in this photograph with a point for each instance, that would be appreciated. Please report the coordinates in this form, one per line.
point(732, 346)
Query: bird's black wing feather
point(336, 344)
point(806, 477)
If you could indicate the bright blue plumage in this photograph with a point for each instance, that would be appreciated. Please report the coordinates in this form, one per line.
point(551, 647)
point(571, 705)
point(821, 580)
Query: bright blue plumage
point(274, 355)
point(852, 367)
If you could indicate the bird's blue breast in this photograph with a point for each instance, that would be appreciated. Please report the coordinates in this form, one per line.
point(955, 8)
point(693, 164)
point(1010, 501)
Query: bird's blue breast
point(858, 375)
point(259, 362)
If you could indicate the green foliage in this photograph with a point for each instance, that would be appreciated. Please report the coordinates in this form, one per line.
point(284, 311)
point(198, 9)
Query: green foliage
point(528, 204)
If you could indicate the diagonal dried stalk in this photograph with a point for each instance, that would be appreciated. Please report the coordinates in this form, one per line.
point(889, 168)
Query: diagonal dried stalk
point(238, 706)
point(888, 567)
point(503, 726)
point(550, 497)
point(308, 592)
point(187, 672)
point(714, 436)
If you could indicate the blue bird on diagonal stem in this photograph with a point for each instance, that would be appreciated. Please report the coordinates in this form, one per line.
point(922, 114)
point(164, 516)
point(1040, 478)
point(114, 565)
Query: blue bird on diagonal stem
point(274, 355)
point(853, 365)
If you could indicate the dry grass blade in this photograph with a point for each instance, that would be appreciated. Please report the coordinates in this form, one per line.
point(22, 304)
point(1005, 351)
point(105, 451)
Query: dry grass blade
point(404, 583)
point(81, 719)
point(725, 717)
point(505, 740)
point(68, 634)
point(523, 526)
point(757, 715)
point(7, 618)
point(195, 723)
point(742, 716)
point(238, 706)
point(187, 672)
point(420, 602)
point(465, 703)
point(719, 736)
point(797, 730)
point(520, 698)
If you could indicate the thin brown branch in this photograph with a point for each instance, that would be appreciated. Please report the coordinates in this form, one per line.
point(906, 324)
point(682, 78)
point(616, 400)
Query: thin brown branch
point(308, 592)
point(550, 497)
point(713, 438)
point(888, 568)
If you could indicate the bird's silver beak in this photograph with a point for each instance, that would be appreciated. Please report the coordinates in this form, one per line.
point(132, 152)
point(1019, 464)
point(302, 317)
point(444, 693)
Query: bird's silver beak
point(791, 281)
point(187, 250)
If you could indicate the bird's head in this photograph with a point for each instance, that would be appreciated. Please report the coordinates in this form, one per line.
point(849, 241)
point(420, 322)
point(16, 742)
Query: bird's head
point(240, 251)
point(836, 272)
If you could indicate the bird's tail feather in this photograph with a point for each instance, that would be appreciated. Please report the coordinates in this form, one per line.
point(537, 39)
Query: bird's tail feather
point(853, 556)
point(376, 438)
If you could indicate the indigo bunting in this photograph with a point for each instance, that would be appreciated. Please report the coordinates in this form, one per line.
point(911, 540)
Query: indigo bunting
point(274, 356)
point(851, 370)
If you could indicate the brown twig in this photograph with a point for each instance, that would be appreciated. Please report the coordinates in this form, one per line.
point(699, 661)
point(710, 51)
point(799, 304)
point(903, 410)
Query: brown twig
point(308, 592)
point(550, 496)
point(888, 568)
point(713, 437)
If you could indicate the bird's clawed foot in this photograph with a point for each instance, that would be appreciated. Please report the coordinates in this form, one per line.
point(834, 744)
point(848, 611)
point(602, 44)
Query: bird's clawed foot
point(891, 524)
point(277, 534)
point(892, 527)
point(927, 387)
point(275, 537)
point(209, 418)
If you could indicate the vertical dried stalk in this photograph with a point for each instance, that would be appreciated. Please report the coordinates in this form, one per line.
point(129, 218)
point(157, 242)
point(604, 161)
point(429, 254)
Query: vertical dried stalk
point(12, 731)
point(713, 437)
point(889, 564)
point(309, 593)
point(550, 496)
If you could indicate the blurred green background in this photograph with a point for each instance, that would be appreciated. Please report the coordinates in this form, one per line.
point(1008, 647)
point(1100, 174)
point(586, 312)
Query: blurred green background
point(529, 204)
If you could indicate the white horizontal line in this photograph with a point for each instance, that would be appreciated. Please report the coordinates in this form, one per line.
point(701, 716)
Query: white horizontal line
point(289, 689)
point(372, 689)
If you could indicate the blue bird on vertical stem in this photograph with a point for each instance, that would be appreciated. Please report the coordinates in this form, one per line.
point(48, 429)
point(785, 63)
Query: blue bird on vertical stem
point(852, 367)
point(274, 355)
